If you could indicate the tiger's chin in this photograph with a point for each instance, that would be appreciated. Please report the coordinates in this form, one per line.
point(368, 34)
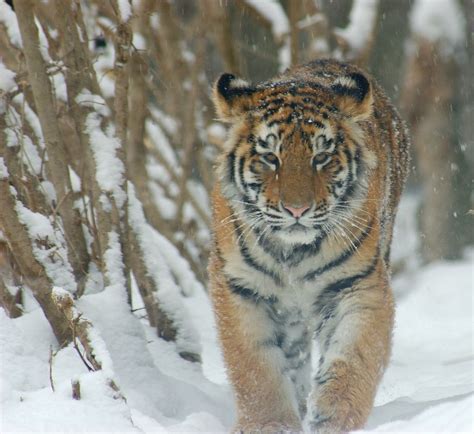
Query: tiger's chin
point(297, 234)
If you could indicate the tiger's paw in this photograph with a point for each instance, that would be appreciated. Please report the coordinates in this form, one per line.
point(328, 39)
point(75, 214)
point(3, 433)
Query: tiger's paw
point(267, 428)
point(323, 425)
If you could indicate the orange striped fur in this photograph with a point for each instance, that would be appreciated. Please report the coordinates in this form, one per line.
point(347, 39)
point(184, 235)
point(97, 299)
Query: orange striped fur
point(307, 191)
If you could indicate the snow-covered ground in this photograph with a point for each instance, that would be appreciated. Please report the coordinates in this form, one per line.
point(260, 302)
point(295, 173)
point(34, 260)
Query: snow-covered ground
point(427, 388)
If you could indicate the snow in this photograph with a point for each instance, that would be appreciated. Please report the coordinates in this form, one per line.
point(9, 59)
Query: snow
point(114, 262)
point(438, 21)
point(95, 102)
point(31, 117)
point(274, 13)
point(104, 144)
point(28, 151)
point(405, 240)
point(284, 55)
point(361, 20)
point(7, 78)
point(453, 415)
point(163, 145)
point(29, 154)
point(75, 180)
point(47, 188)
point(162, 259)
point(49, 247)
point(166, 121)
point(139, 42)
point(165, 206)
point(3, 169)
point(216, 132)
point(180, 268)
point(125, 9)
point(59, 86)
point(8, 19)
point(43, 43)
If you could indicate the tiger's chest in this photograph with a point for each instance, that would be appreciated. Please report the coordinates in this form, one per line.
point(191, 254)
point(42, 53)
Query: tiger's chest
point(287, 284)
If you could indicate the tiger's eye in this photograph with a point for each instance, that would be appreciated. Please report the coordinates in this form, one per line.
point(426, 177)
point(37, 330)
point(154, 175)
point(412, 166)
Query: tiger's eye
point(321, 158)
point(271, 159)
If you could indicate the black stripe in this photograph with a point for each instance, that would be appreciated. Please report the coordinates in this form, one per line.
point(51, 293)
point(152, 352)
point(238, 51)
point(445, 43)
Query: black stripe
point(293, 366)
point(351, 185)
point(231, 164)
point(275, 341)
point(250, 294)
point(324, 378)
point(296, 347)
point(348, 253)
point(335, 288)
point(246, 293)
point(339, 137)
point(348, 282)
point(241, 170)
point(317, 421)
point(297, 254)
point(295, 105)
point(302, 108)
point(253, 185)
point(250, 261)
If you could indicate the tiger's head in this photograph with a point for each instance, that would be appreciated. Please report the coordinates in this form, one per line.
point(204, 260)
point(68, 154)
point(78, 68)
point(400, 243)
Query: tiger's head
point(295, 165)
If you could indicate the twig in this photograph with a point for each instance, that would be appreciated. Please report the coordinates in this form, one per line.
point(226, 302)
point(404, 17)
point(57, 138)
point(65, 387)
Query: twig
point(76, 390)
point(74, 340)
point(51, 355)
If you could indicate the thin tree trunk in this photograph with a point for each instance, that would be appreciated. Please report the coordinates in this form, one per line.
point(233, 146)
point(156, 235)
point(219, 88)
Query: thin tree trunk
point(79, 77)
point(123, 40)
point(42, 92)
point(294, 15)
point(216, 14)
point(30, 269)
point(427, 103)
point(10, 302)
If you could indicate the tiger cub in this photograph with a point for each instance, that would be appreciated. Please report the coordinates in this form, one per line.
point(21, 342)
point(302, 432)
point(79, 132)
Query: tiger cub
point(303, 210)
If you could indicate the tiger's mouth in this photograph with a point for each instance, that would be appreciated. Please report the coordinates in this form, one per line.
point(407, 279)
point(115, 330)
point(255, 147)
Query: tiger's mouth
point(297, 227)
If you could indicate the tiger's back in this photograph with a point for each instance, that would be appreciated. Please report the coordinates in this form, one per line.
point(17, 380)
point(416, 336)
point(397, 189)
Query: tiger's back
point(308, 187)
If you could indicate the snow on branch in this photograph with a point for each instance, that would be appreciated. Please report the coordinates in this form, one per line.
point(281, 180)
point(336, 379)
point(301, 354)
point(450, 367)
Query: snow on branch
point(359, 32)
point(3, 169)
point(125, 9)
point(7, 78)
point(49, 247)
point(8, 19)
point(97, 357)
point(32, 271)
point(438, 21)
point(109, 168)
point(273, 13)
point(17, 138)
point(46, 108)
point(167, 293)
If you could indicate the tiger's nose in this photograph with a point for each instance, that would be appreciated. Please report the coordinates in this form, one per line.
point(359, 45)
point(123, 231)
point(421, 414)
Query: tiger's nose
point(296, 212)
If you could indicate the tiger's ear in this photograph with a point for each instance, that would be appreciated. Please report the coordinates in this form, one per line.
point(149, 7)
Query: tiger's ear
point(354, 95)
point(232, 97)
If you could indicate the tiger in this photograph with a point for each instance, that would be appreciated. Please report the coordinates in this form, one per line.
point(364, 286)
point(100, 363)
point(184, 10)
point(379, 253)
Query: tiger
point(307, 187)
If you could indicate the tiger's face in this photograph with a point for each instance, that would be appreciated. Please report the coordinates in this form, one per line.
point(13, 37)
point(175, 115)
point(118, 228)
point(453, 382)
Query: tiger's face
point(294, 168)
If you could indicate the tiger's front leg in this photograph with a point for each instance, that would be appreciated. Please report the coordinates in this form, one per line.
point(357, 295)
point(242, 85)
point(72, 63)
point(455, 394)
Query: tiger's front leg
point(355, 345)
point(264, 396)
